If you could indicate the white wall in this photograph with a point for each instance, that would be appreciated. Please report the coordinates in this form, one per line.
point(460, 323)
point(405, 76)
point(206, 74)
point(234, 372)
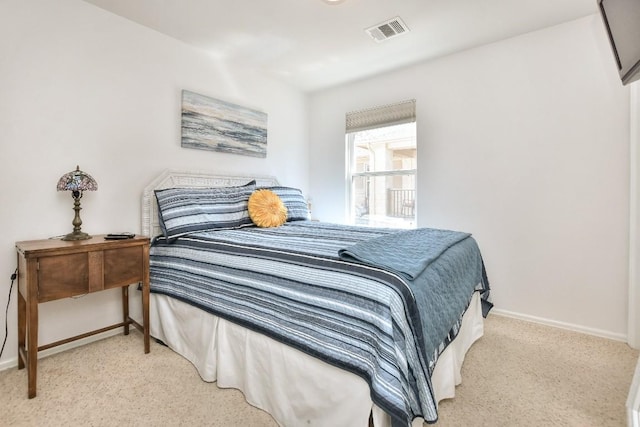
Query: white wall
point(79, 85)
point(524, 143)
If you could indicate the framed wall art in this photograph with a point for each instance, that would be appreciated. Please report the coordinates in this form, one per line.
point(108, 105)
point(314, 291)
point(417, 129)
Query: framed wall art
point(213, 124)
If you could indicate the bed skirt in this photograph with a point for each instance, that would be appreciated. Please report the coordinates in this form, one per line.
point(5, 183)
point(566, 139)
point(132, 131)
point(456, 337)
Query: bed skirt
point(295, 388)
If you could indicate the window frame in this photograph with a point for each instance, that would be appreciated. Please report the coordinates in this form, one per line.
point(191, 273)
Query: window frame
point(352, 176)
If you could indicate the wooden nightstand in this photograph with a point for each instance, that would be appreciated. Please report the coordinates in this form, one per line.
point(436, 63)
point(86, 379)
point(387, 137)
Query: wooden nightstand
point(52, 269)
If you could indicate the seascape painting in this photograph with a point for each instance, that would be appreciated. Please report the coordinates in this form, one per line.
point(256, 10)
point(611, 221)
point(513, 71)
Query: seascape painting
point(212, 124)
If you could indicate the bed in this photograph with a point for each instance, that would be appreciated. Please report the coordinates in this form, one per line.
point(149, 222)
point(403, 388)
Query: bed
point(303, 318)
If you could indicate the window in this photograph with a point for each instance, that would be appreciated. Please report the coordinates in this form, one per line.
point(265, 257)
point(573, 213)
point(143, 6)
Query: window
point(381, 166)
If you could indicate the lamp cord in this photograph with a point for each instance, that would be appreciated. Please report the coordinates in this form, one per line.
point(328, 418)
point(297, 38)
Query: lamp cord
point(6, 314)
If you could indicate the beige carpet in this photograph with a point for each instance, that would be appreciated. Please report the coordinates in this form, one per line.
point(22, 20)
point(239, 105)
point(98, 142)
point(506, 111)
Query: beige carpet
point(518, 374)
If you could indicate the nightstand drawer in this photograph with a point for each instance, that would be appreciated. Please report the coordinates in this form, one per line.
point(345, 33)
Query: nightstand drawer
point(62, 276)
point(123, 266)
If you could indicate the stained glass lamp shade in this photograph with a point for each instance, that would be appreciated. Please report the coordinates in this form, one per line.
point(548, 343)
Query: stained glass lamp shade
point(77, 181)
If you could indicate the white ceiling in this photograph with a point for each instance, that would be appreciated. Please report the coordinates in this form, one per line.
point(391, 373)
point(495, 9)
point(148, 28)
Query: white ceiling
point(314, 45)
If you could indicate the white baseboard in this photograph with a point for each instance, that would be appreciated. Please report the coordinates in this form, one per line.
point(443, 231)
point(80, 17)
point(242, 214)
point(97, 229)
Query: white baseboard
point(561, 325)
point(12, 363)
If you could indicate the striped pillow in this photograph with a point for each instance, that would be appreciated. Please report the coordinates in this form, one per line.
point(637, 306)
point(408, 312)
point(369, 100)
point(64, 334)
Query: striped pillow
point(294, 201)
point(187, 210)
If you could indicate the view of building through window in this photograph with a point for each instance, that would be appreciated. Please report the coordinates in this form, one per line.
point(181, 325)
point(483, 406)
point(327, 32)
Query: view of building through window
point(383, 176)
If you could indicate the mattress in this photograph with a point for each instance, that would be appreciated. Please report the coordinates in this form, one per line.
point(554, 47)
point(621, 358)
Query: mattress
point(386, 319)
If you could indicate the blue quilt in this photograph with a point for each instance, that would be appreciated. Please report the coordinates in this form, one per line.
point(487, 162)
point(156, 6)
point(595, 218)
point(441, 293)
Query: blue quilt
point(405, 252)
point(292, 284)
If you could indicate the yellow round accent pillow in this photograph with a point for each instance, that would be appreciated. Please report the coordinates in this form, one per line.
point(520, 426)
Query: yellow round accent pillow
point(266, 209)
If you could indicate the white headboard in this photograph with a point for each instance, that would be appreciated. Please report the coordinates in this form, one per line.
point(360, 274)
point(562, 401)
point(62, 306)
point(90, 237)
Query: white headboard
point(175, 178)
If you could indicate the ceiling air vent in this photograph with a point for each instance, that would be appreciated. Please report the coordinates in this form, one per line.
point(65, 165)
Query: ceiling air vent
point(388, 29)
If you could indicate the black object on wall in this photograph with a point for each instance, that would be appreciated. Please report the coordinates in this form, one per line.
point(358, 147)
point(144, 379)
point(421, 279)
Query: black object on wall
point(622, 22)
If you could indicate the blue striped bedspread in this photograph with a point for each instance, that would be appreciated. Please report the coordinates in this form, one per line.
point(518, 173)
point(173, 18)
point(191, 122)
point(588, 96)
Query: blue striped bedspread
point(291, 284)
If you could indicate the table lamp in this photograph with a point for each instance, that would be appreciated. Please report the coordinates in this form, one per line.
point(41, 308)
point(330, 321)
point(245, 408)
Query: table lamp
point(77, 181)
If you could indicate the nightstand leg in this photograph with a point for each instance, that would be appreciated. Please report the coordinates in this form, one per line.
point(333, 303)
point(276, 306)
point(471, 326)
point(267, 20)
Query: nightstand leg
point(32, 345)
point(125, 308)
point(146, 284)
point(22, 330)
point(145, 315)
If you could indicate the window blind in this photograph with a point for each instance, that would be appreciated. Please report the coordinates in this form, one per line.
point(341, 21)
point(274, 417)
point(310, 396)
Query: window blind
point(385, 115)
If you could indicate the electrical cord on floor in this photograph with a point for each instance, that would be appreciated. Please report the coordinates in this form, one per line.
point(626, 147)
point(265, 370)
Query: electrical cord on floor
point(6, 313)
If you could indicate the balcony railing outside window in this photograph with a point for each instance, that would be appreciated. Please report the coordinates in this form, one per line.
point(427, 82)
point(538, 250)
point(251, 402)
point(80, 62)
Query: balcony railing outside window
point(383, 200)
point(401, 203)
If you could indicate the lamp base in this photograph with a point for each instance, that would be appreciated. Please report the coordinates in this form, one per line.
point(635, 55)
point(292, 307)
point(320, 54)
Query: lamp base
point(76, 235)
